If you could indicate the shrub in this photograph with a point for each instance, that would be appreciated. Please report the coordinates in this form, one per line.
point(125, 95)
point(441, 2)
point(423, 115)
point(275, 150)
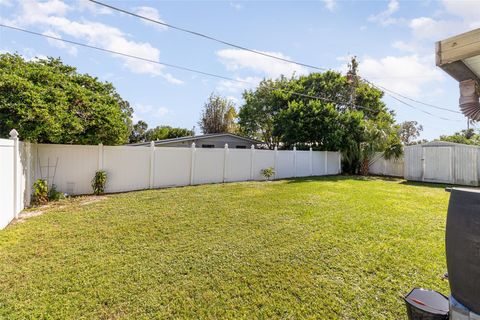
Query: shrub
point(40, 191)
point(54, 195)
point(98, 182)
point(267, 173)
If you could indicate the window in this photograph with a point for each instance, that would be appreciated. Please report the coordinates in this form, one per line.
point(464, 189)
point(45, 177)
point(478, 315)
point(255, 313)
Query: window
point(208, 146)
point(241, 147)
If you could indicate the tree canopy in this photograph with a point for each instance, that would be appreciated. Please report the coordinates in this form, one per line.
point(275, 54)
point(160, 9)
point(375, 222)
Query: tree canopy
point(141, 133)
point(47, 101)
point(325, 111)
point(218, 116)
point(468, 136)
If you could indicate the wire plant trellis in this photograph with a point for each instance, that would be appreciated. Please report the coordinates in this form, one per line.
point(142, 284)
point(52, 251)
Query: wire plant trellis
point(48, 171)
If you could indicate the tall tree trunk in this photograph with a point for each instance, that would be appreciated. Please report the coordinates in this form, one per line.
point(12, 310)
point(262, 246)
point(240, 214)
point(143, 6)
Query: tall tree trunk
point(364, 168)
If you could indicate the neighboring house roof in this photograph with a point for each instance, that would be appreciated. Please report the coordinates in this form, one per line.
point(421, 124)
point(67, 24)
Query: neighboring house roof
point(200, 137)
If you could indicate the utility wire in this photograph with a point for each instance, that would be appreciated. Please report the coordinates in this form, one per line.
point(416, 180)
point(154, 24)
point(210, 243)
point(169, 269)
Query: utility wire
point(205, 36)
point(202, 72)
point(250, 50)
point(121, 54)
point(411, 99)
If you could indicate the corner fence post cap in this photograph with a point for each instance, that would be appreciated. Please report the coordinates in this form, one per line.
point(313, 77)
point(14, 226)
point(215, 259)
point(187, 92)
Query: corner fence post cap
point(252, 147)
point(226, 145)
point(13, 134)
point(193, 144)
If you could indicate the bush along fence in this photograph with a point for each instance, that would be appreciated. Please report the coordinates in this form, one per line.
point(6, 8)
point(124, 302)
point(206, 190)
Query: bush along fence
point(77, 169)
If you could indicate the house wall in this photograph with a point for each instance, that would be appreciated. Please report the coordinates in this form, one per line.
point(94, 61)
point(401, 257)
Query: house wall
point(218, 142)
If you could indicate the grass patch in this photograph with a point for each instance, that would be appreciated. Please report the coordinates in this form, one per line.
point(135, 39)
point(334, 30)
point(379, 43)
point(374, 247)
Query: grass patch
point(328, 248)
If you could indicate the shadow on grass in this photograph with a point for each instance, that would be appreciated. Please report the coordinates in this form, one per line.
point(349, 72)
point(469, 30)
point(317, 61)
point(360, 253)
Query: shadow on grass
point(337, 178)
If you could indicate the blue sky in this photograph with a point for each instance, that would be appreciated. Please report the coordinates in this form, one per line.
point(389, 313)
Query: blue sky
point(393, 40)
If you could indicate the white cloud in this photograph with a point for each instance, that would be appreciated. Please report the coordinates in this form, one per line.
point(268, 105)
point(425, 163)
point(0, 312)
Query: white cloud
point(59, 44)
point(236, 59)
point(85, 5)
point(236, 6)
point(6, 3)
point(143, 111)
point(50, 15)
point(230, 86)
point(150, 13)
point(330, 4)
point(385, 18)
point(461, 16)
point(407, 75)
point(469, 11)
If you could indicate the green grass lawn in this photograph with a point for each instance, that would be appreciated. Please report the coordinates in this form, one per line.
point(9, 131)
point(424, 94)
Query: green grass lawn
point(322, 248)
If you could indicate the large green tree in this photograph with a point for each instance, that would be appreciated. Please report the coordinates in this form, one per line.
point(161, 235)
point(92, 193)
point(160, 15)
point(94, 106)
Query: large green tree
point(325, 111)
point(49, 102)
point(218, 116)
point(468, 136)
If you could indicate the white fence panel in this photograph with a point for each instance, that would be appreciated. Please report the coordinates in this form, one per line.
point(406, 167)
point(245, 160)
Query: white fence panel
point(70, 167)
point(333, 162)
point(127, 168)
point(285, 164)
point(262, 159)
point(319, 163)
point(172, 167)
point(209, 166)
point(391, 167)
point(238, 165)
point(7, 196)
point(413, 163)
point(302, 164)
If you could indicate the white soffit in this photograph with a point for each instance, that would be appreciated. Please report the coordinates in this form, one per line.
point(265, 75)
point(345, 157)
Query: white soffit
point(473, 63)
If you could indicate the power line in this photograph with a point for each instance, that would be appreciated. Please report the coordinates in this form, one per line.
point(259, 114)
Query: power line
point(121, 53)
point(199, 71)
point(411, 99)
point(426, 112)
point(250, 50)
point(205, 36)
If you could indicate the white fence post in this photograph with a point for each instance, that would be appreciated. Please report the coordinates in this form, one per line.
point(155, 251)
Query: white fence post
point(252, 156)
point(225, 157)
point(326, 162)
point(14, 137)
point(294, 161)
point(152, 163)
point(192, 165)
point(100, 156)
point(275, 162)
point(339, 162)
point(311, 161)
point(28, 180)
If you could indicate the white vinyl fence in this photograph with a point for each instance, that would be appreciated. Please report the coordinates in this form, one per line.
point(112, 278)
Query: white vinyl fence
point(383, 167)
point(14, 166)
point(71, 168)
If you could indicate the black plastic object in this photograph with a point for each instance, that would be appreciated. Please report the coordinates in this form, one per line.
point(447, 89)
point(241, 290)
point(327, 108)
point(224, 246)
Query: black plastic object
point(463, 246)
point(426, 305)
